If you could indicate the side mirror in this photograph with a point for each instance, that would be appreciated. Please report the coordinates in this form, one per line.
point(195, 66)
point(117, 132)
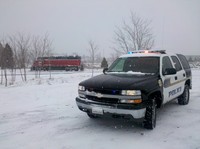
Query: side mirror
point(104, 70)
point(170, 71)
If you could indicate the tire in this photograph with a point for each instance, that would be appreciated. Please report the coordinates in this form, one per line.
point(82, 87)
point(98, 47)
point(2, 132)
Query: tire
point(150, 116)
point(92, 116)
point(185, 97)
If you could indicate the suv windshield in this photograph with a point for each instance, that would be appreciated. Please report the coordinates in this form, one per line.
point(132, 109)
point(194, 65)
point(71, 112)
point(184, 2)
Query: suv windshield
point(135, 65)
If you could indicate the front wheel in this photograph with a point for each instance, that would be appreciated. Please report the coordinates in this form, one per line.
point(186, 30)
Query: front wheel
point(150, 116)
point(92, 115)
point(184, 98)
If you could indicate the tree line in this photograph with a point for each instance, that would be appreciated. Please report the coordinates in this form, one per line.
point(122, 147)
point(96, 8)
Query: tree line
point(18, 51)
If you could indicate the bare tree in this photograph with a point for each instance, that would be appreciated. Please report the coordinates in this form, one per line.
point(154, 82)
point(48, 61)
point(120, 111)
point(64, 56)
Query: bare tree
point(92, 51)
point(47, 48)
point(41, 46)
point(133, 36)
point(22, 52)
point(13, 45)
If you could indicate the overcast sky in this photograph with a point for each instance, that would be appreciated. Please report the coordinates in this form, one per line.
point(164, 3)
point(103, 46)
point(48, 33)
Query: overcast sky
point(72, 23)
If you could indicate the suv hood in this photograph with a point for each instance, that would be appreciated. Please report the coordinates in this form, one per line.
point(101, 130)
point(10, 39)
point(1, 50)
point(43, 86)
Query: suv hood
point(122, 82)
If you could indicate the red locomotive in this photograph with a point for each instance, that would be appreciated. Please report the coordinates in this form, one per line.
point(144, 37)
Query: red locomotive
point(67, 63)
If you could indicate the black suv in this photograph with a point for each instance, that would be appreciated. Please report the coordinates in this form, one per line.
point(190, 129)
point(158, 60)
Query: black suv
point(135, 85)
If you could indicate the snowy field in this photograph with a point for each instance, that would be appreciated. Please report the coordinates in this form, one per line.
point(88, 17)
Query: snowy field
point(42, 114)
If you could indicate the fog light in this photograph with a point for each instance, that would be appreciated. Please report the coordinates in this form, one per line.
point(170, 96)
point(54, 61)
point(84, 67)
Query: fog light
point(137, 100)
point(131, 101)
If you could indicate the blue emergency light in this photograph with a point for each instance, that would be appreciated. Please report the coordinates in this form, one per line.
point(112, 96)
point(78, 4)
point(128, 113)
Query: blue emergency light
point(130, 52)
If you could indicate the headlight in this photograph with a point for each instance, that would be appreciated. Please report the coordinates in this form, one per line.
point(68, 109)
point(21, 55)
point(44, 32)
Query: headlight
point(131, 92)
point(81, 88)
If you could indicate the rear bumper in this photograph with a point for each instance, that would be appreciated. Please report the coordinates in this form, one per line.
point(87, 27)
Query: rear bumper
point(135, 113)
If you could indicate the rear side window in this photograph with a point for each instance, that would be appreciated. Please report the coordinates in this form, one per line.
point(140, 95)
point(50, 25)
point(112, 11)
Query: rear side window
point(184, 61)
point(176, 63)
point(166, 63)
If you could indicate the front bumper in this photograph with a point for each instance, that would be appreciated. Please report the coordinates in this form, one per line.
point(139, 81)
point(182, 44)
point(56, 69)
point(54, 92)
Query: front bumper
point(134, 112)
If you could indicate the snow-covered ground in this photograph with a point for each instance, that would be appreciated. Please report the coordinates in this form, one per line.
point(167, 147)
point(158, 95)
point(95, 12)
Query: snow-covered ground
point(42, 114)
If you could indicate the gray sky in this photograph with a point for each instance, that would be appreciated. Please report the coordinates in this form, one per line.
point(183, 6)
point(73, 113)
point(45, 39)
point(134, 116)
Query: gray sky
point(72, 23)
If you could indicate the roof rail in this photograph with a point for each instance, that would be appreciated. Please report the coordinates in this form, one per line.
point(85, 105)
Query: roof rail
point(148, 51)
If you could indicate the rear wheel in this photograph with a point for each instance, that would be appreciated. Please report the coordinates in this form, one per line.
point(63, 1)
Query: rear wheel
point(184, 98)
point(150, 116)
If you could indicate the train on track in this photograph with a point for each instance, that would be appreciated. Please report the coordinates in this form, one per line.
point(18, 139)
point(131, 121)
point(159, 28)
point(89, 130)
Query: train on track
point(68, 63)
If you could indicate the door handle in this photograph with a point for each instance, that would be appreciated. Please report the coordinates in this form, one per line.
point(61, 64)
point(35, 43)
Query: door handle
point(175, 77)
point(184, 74)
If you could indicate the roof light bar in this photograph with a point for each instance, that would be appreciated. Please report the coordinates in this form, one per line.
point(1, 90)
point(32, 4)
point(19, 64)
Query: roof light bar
point(148, 51)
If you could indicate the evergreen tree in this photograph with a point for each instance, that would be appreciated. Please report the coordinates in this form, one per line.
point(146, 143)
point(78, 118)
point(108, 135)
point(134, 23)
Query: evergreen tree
point(7, 60)
point(104, 63)
point(1, 50)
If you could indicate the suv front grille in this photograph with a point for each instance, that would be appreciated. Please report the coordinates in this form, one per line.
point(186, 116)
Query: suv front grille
point(105, 91)
point(103, 100)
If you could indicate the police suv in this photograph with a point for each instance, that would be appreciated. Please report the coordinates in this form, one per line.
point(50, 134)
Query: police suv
point(135, 85)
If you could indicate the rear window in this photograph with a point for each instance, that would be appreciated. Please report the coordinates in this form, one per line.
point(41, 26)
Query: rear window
point(184, 61)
